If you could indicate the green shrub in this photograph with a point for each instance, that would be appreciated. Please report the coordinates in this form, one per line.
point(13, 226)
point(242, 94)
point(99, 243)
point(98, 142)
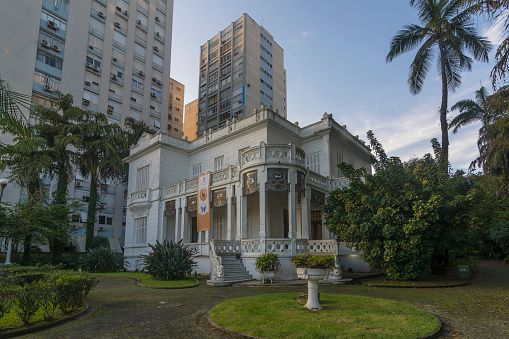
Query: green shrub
point(72, 289)
point(27, 299)
point(100, 241)
point(102, 260)
point(169, 260)
point(6, 298)
point(267, 262)
point(310, 261)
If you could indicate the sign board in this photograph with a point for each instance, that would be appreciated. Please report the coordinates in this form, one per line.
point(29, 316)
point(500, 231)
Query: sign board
point(203, 202)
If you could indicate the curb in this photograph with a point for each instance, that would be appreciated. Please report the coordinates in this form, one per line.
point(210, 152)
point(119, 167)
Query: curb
point(89, 308)
point(464, 283)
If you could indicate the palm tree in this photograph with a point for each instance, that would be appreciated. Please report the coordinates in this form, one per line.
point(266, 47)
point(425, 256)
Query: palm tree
point(101, 152)
point(12, 119)
point(472, 111)
point(447, 29)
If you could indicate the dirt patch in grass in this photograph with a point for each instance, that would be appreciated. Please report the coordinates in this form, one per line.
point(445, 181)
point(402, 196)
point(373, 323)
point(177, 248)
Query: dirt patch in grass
point(146, 280)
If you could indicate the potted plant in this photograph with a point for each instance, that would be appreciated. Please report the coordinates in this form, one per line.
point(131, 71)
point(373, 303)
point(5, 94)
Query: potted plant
point(313, 269)
point(267, 264)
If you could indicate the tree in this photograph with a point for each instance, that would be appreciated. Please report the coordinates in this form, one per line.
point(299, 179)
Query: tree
point(471, 111)
point(12, 119)
point(101, 152)
point(405, 217)
point(448, 30)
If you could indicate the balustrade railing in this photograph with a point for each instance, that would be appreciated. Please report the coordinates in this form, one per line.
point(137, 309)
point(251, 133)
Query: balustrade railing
point(278, 246)
point(323, 246)
point(251, 246)
point(216, 262)
point(139, 196)
point(227, 246)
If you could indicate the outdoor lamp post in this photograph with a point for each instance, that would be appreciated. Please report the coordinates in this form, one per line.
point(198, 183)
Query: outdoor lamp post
point(3, 183)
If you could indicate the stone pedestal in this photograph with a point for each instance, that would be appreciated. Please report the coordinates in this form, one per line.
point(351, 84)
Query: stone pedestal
point(313, 275)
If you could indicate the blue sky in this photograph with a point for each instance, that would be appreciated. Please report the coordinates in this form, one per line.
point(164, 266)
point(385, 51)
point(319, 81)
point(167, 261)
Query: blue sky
point(335, 62)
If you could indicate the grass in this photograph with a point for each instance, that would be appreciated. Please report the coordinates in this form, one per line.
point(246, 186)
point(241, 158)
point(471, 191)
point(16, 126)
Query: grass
point(344, 316)
point(147, 279)
point(11, 322)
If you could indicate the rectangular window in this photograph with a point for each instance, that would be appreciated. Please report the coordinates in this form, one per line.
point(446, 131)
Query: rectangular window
point(49, 41)
point(118, 54)
point(140, 50)
point(157, 60)
point(155, 92)
point(53, 22)
point(97, 25)
point(93, 61)
point(196, 170)
point(142, 178)
point(140, 231)
point(49, 60)
point(46, 80)
point(137, 83)
point(313, 162)
point(119, 38)
point(95, 43)
point(219, 163)
point(93, 98)
point(226, 81)
point(140, 34)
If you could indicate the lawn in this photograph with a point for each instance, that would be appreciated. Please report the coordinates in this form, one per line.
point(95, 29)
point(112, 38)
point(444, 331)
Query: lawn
point(11, 322)
point(344, 316)
point(147, 279)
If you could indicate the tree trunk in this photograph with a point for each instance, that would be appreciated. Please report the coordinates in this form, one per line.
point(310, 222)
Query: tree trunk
point(27, 244)
point(444, 163)
point(92, 206)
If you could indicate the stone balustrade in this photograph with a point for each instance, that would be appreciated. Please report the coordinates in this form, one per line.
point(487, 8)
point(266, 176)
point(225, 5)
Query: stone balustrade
point(273, 154)
point(139, 196)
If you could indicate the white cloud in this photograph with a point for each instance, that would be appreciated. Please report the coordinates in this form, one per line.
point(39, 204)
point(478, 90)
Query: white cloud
point(495, 33)
point(306, 34)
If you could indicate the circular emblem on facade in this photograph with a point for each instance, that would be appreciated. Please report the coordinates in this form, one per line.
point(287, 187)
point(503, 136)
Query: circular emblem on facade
point(203, 194)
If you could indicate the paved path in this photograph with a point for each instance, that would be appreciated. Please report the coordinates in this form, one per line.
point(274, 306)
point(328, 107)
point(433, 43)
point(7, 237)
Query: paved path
point(479, 310)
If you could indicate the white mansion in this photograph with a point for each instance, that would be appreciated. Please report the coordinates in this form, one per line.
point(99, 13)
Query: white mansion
point(268, 184)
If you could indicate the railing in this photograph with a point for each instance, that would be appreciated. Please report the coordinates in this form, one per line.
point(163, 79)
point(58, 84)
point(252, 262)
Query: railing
point(317, 179)
point(227, 246)
point(275, 154)
point(139, 196)
point(339, 183)
point(216, 262)
point(323, 246)
point(251, 246)
point(278, 246)
point(201, 249)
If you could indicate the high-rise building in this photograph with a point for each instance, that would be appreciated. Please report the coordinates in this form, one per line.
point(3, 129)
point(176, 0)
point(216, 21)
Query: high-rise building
point(241, 69)
point(191, 120)
point(176, 109)
point(113, 56)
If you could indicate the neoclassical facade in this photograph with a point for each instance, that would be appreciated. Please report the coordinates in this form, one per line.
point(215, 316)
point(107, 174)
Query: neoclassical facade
point(269, 179)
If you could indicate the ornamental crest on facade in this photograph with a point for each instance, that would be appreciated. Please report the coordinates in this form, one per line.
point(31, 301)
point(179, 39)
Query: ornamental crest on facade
point(317, 199)
point(301, 183)
point(192, 203)
point(251, 182)
point(170, 207)
point(277, 179)
point(219, 198)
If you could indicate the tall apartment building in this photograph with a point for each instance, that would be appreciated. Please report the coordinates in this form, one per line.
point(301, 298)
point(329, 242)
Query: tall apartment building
point(191, 120)
point(176, 109)
point(241, 69)
point(113, 56)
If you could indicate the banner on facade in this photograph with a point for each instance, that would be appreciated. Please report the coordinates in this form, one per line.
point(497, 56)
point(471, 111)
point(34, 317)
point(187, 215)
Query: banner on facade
point(219, 198)
point(277, 179)
point(317, 199)
point(251, 182)
point(170, 207)
point(191, 203)
point(203, 202)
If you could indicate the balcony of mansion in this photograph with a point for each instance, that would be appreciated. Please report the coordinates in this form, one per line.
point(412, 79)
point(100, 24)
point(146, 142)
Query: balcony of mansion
point(269, 180)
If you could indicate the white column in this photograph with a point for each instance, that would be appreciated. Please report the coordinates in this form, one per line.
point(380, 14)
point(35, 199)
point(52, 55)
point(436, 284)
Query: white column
point(262, 178)
point(183, 220)
point(238, 215)
point(244, 216)
point(9, 251)
point(229, 208)
point(177, 225)
point(292, 213)
point(306, 215)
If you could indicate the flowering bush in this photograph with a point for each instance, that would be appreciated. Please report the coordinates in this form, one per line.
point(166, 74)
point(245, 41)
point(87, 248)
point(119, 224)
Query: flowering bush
point(309, 261)
point(267, 262)
point(169, 260)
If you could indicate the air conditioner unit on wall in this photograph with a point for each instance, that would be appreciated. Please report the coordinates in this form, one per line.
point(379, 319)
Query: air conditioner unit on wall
point(45, 43)
point(101, 14)
point(153, 95)
point(96, 68)
point(87, 83)
point(48, 88)
point(56, 48)
point(126, 13)
point(117, 24)
point(114, 77)
point(89, 64)
point(141, 73)
point(86, 102)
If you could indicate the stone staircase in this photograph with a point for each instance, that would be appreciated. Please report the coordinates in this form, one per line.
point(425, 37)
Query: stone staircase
point(234, 269)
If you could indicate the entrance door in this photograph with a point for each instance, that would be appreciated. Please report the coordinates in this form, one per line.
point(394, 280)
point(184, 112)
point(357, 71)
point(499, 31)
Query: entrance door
point(194, 230)
point(286, 227)
point(316, 225)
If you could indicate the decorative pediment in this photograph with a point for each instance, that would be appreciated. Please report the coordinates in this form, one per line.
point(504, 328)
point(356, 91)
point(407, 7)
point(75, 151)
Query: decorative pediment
point(170, 207)
point(219, 198)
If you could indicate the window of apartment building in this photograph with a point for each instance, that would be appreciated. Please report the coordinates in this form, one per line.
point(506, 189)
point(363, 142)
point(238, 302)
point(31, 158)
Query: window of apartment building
point(92, 78)
point(161, 18)
point(49, 60)
point(160, 30)
point(122, 5)
point(92, 97)
point(118, 55)
point(114, 107)
point(98, 7)
point(226, 35)
point(155, 92)
point(119, 38)
point(116, 89)
point(224, 105)
point(61, 5)
point(226, 81)
point(213, 99)
point(135, 97)
point(85, 198)
point(142, 176)
point(119, 72)
point(157, 60)
point(196, 170)
point(213, 88)
point(96, 25)
point(177, 109)
point(237, 74)
point(177, 120)
point(56, 23)
point(213, 54)
point(155, 123)
point(140, 34)
point(95, 43)
point(140, 231)
point(225, 58)
point(104, 220)
point(237, 86)
point(212, 110)
point(138, 66)
point(237, 51)
point(238, 28)
point(213, 77)
point(50, 40)
point(158, 46)
point(178, 99)
point(237, 99)
point(47, 80)
point(137, 83)
point(214, 66)
point(155, 106)
point(238, 62)
point(226, 47)
point(313, 162)
point(219, 163)
point(143, 4)
point(135, 115)
point(176, 130)
point(139, 49)
point(41, 100)
point(140, 18)
point(93, 61)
